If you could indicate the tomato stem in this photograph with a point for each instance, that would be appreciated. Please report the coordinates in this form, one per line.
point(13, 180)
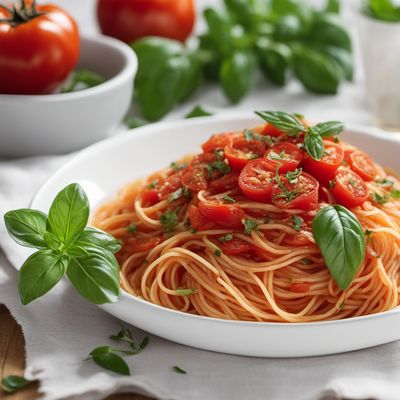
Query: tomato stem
point(21, 14)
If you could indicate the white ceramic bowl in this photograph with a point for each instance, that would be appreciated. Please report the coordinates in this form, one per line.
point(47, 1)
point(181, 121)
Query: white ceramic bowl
point(150, 148)
point(60, 123)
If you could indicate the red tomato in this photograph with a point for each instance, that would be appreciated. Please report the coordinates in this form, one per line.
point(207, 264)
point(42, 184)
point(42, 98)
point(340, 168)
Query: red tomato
point(325, 168)
point(303, 194)
point(139, 245)
point(349, 188)
point(198, 220)
point(129, 20)
point(224, 183)
point(235, 246)
point(300, 239)
point(284, 156)
point(150, 197)
point(219, 141)
point(240, 151)
point(270, 130)
point(170, 185)
point(195, 178)
point(228, 216)
point(362, 164)
point(256, 180)
point(300, 287)
point(36, 55)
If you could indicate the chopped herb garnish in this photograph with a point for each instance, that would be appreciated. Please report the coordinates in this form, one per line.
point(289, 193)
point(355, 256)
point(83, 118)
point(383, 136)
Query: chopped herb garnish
point(226, 238)
point(341, 305)
point(292, 176)
point(175, 195)
point(185, 292)
point(336, 140)
point(306, 261)
point(250, 225)
point(378, 198)
point(229, 199)
point(277, 156)
point(219, 154)
point(248, 135)
point(289, 195)
point(385, 182)
point(169, 220)
point(395, 193)
point(153, 184)
point(125, 335)
point(193, 230)
point(297, 222)
point(178, 370)
point(177, 167)
point(221, 166)
point(352, 182)
point(331, 184)
point(218, 252)
point(368, 233)
point(132, 228)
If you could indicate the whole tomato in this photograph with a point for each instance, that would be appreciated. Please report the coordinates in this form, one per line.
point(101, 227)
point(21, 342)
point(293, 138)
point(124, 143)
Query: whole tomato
point(39, 47)
point(129, 20)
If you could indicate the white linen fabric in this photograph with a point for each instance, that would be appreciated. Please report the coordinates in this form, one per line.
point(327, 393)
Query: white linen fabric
point(61, 329)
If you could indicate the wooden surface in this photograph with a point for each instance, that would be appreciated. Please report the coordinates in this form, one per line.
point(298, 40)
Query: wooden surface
point(12, 360)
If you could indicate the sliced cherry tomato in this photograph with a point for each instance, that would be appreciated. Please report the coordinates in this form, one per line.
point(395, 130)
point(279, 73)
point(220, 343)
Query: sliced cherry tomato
point(271, 130)
point(349, 188)
point(226, 215)
point(284, 156)
point(150, 197)
point(256, 180)
point(240, 151)
point(301, 194)
point(235, 246)
point(198, 220)
point(224, 183)
point(362, 164)
point(325, 168)
point(300, 239)
point(219, 141)
point(195, 178)
point(170, 185)
point(300, 287)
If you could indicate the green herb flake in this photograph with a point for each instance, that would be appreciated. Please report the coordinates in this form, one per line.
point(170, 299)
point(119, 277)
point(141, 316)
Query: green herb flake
point(385, 182)
point(297, 222)
point(306, 261)
point(378, 198)
point(193, 230)
point(395, 193)
point(175, 195)
point(185, 291)
point(218, 252)
point(352, 182)
point(169, 220)
point(153, 184)
point(179, 370)
point(293, 176)
point(228, 199)
point(331, 184)
point(249, 226)
point(341, 305)
point(221, 166)
point(226, 238)
point(132, 228)
point(178, 167)
point(13, 383)
point(248, 135)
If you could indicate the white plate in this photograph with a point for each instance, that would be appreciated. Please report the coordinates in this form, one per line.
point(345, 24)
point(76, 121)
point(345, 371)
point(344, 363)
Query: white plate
point(103, 168)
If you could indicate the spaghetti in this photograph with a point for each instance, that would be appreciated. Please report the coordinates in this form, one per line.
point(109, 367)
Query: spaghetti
point(196, 239)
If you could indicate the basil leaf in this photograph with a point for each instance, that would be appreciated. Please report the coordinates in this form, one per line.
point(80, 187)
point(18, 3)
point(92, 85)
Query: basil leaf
point(13, 383)
point(219, 30)
point(274, 61)
point(106, 358)
point(27, 227)
point(198, 111)
point(93, 237)
point(314, 144)
point(236, 75)
point(68, 213)
point(179, 370)
point(384, 10)
point(341, 239)
point(329, 128)
point(133, 122)
point(285, 122)
point(40, 273)
point(332, 6)
point(95, 277)
point(342, 58)
point(82, 79)
point(288, 27)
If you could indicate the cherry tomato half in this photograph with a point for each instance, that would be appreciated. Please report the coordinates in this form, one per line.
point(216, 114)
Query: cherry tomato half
point(36, 55)
point(300, 287)
point(362, 164)
point(170, 185)
point(235, 246)
point(224, 183)
point(198, 220)
point(284, 156)
point(195, 175)
point(271, 130)
point(325, 168)
point(219, 141)
point(150, 197)
point(240, 151)
point(226, 215)
point(129, 20)
point(302, 194)
point(256, 180)
point(349, 188)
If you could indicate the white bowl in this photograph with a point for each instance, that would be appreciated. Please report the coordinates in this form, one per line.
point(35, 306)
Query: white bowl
point(60, 123)
point(150, 148)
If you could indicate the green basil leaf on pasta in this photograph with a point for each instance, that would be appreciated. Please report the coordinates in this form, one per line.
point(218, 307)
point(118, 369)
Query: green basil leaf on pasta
point(285, 122)
point(329, 128)
point(95, 277)
point(106, 358)
point(314, 144)
point(40, 273)
point(341, 239)
point(27, 227)
point(68, 214)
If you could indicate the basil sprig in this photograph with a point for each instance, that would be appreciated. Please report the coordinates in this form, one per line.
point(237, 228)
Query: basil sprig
point(341, 239)
point(13, 383)
point(292, 126)
point(65, 246)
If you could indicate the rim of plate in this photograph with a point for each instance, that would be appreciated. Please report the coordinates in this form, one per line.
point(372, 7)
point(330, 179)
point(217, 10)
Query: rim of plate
point(165, 125)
